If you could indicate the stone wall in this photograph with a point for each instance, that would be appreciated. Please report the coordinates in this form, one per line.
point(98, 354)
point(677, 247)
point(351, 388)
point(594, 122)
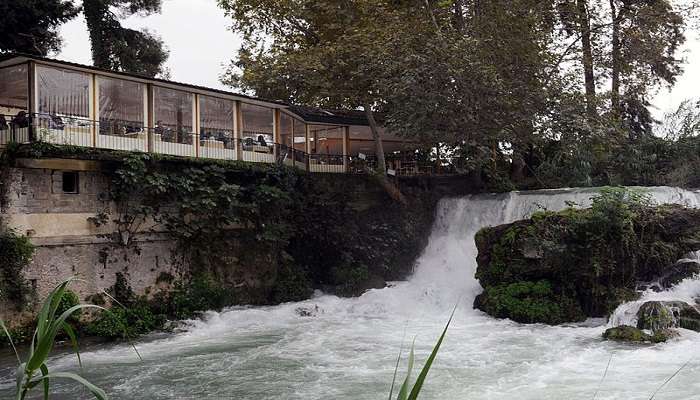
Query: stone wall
point(67, 243)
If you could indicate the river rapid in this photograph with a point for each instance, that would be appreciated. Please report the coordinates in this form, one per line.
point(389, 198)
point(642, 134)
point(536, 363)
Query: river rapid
point(347, 349)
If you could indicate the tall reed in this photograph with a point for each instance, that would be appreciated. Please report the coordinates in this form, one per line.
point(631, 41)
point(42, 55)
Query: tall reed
point(34, 371)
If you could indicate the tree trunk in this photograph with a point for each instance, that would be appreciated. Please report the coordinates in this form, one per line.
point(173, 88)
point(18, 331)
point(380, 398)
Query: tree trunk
point(384, 181)
point(378, 146)
point(95, 11)
point(585, 27)
point(459, 15)
point(616, 65)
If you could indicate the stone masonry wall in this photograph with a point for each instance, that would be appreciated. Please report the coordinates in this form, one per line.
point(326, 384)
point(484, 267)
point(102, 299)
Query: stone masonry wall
point(67, 243)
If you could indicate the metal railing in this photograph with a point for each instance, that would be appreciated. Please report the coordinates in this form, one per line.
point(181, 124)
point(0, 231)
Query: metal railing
point(212, 143)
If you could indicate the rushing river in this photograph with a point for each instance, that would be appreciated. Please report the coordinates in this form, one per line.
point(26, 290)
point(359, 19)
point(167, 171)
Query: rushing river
point(348, 349)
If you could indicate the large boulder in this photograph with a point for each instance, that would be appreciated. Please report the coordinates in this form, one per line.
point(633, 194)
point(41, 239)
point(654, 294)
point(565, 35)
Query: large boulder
point(661, 315)
point(578, 263)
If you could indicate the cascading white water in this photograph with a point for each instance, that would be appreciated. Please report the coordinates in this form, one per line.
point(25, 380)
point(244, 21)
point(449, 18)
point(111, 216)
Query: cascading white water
point(348, 349)
point(686, 291)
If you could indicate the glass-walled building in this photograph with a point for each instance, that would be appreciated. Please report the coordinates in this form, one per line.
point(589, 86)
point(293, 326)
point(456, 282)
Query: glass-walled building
point(71, 104)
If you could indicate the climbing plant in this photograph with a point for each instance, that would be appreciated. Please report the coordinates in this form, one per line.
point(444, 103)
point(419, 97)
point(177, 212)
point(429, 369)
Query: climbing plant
point(15, 254)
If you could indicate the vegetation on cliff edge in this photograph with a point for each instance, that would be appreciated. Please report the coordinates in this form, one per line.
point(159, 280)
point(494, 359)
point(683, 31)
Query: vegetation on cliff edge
point(565, 266)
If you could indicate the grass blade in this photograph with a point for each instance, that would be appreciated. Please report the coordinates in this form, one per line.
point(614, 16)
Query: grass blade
point(669, 380)
point(97, 392)
point(9, 339)
point(600, 384)
point(396, 370)
point(74, 341)
point(403, 393)
point(426, 368)
point(45, 372)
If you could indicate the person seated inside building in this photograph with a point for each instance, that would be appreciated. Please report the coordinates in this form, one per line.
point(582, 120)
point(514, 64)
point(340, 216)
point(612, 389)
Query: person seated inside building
point(20, 120)
point(3, 123)
point(261, 141)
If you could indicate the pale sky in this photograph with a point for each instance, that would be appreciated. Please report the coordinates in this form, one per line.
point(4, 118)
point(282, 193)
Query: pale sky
point(200, 43)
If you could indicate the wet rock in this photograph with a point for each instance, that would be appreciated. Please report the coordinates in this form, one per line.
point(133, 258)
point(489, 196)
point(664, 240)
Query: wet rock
point(661, 315)
point(679, 271)
point(630, 334)
point(307, 311)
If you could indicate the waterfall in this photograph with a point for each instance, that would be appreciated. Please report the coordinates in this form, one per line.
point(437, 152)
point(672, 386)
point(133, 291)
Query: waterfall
point(446, 268)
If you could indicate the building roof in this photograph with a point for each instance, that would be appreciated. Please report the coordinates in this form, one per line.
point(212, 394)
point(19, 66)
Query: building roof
point(328, 116)
point(309, 114)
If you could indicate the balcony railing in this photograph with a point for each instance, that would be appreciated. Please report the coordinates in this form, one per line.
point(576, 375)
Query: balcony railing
point(211, 143)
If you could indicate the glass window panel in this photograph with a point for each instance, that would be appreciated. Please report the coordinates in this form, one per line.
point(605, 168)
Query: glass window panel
point(121, 106)
point(360, 132)
point(172, 111)
point(326, 139)
point(215, 113)
point(299, 135)
point(361, 146)
point(258, 123)
point(286, 129)
point(215, 125)
point(63, 92)
point(14, 87)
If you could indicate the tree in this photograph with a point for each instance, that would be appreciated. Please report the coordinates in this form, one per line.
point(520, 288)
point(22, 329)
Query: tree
point(631, 42)
point(327, 54)
point(32, 26)
point(121, 49)
point(477, 87)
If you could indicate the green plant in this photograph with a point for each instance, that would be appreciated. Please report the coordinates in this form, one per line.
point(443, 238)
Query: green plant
point(69, 300)
point(49, 324)
point(15, 254)
point(125, 323)
point(406, 391)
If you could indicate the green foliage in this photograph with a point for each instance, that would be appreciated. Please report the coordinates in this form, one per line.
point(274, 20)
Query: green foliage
point(201, 293)
point(530, 302)
point(15, 254)
point(68, 301)
point(292, 285)
point(592, 259)
point(122, 49)
point(34, 371)
point(302, 224)
point(125, 323)
point(32, 27)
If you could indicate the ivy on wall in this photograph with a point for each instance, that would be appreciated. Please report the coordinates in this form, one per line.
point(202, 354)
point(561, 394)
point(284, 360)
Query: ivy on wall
point(302, 225)
point(15, 254)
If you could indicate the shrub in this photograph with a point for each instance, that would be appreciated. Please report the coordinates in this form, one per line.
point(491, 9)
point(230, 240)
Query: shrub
point(529, 302)
point(201, 293)
point(15, 254)
point(125, 323)
point(68, 300)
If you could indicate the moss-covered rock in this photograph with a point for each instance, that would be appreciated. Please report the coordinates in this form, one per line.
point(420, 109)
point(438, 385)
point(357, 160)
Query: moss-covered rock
point(630, 334)
point(661, 315)
point(529, 302)
point(592, 259)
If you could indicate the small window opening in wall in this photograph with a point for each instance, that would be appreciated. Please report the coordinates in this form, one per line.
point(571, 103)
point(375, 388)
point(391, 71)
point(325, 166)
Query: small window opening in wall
point(70, 182)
